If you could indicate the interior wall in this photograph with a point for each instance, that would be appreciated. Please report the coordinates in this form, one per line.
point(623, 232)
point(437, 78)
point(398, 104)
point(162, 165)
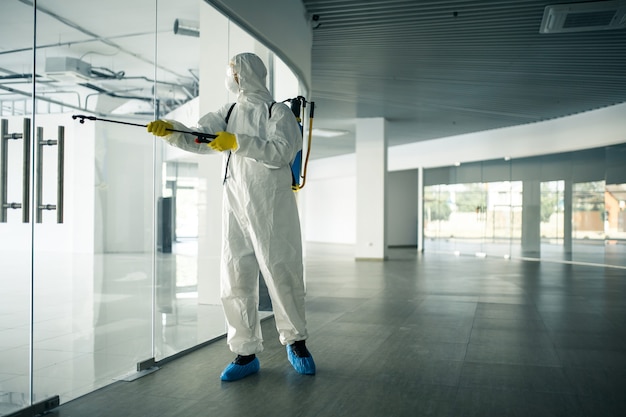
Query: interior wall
point(290, 38)
point(330, 203)
point(402, 208)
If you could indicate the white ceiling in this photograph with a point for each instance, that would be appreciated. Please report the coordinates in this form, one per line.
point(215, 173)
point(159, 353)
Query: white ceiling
point(432, 68)
point(437, 68)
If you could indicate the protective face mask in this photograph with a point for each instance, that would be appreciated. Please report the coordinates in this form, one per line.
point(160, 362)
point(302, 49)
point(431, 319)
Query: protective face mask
point(231, 85)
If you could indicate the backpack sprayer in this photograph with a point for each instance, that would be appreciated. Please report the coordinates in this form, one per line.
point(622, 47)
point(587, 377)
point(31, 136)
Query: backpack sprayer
point(298, 172)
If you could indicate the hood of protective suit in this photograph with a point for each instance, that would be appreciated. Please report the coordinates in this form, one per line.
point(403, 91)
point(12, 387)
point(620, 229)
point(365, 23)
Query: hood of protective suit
point(252, 75)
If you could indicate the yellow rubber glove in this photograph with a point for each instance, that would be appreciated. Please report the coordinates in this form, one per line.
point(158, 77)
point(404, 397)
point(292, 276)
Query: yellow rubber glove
point(225, 141)
point(159, 127)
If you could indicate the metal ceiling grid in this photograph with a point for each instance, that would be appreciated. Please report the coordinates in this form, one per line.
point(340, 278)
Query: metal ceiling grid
point(442, 68)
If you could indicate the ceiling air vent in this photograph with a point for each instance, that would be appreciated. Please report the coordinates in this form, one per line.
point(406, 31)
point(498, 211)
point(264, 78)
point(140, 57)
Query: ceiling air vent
point(67, 69)
point(582, 17)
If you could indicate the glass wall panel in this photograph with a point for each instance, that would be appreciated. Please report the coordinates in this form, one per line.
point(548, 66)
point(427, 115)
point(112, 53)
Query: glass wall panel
point(615, 205)
point(188, 308)
point(176, 83)
point(503, 217)
point(16, 60)
point(93, 269)
point(615, 224)
point(469, 217)
point(564, 207)
point(589, 216)
point(552, 219)
point(437, 218)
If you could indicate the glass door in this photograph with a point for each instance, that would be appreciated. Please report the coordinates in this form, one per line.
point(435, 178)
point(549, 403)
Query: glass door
point(93, 268)
point(503, 217)
point(589, 221)
point(16, 225)
point(470, 217)
point(437, 218)
point(77, 199)
point(552, 224)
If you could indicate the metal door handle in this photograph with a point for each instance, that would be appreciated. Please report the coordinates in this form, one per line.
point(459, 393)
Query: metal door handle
point(60, 172)
point(5, 136)
point(60, 143)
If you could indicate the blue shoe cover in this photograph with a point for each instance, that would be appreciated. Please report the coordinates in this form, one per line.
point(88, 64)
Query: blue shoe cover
point(233, 372)
point(305, 366)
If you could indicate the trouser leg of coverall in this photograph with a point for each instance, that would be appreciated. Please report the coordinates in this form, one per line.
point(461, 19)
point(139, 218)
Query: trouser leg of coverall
point(285, 285)
point(240, 293)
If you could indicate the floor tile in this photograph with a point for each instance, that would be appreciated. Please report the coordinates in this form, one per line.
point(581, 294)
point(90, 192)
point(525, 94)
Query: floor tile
point(427, 335)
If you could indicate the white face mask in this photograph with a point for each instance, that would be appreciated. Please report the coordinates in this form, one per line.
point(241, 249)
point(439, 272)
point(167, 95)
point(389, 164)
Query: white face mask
point(231, 85)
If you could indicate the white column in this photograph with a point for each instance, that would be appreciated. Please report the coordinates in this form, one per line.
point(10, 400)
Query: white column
point(531, 218)
point(371, 173)
point(420, 209)
point(567, 217)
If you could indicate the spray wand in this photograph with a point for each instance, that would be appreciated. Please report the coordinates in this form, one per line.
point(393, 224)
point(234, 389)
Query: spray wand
point(201, 137)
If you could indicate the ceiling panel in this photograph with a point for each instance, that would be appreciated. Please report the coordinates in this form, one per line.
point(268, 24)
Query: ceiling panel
point(441, 68)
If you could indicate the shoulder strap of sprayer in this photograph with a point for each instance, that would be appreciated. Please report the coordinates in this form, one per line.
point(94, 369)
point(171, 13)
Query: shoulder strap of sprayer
point(226, 119)
point(230, 110)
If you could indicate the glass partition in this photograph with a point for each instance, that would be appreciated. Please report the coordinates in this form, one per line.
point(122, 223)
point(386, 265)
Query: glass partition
point(588, 219)
point(552, 218)
point(188, 307)
point(503, 218)
point(566, 207)
point(16, 59)
point(469, 218)
point(93, 269)
point(110, 262)
point(615, 205)
point(438, 208)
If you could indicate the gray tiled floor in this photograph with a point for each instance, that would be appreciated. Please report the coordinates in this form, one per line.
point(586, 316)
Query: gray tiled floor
point(430, 335)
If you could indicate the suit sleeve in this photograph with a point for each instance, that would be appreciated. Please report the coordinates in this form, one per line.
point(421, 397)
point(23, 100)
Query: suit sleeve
point(209, 123)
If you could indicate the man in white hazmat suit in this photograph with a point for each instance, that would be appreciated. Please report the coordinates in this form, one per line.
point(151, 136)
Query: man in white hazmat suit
point(261, 228)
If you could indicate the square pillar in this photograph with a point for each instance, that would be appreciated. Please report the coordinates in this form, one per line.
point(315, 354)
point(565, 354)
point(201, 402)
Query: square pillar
point(567, 218)
point(420, 209)
point(531, 219)
point(371, 195)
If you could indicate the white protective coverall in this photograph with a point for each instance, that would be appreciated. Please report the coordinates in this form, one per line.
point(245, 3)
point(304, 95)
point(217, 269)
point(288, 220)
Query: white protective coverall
point(261, 227)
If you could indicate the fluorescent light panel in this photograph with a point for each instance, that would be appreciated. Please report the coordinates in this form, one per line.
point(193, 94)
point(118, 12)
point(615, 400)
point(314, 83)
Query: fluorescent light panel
point(328, 133)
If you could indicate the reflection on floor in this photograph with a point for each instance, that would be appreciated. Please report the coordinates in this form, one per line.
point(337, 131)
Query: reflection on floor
point(595, 252)
point(432, 335)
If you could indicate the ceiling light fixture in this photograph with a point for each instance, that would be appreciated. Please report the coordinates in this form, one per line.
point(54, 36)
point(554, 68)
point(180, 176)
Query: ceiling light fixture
point(329, 133)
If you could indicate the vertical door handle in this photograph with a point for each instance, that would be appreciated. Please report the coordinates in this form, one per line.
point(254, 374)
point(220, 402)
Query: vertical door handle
point(60, 172)
point(5, 136)
point(39, 175)
point(3, 170)
point(26, 175)
point(60, 143)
